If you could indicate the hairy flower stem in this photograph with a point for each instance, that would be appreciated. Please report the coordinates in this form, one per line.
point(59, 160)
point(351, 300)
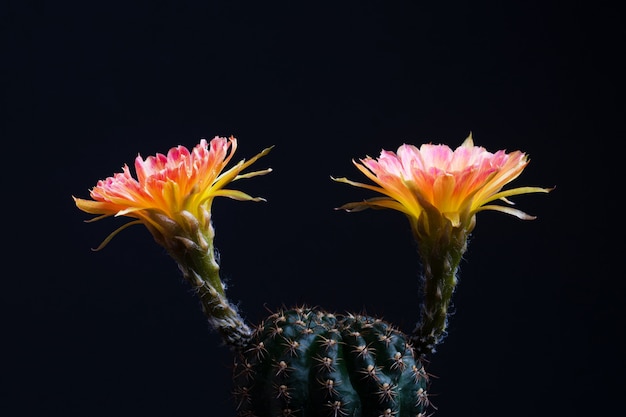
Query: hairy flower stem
point(192, 248)
point(440, 256)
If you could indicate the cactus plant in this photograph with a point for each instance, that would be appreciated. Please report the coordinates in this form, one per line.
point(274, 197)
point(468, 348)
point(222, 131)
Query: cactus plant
point(304, 361)
point(309, 362)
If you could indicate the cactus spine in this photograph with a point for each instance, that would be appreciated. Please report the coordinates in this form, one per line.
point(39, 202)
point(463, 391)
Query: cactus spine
point(306, 362)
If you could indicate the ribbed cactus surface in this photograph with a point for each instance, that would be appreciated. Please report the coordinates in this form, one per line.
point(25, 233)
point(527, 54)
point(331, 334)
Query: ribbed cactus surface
point(305, 362)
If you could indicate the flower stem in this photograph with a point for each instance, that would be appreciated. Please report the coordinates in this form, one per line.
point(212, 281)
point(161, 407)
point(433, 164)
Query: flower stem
point(440, 257)
point(192, 248)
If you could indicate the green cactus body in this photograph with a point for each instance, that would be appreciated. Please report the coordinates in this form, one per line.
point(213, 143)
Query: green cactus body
point(306, 362)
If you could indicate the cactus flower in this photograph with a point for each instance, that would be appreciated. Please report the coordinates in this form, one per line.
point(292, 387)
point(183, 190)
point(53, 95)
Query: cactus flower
point(440, 190)
point(175, 185)
point(172, 196)
point(436, 181)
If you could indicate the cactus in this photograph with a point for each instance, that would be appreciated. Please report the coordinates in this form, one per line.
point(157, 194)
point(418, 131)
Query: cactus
point(308, 362)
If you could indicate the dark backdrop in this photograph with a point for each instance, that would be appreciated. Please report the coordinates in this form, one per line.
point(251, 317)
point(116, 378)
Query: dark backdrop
point(88, 85)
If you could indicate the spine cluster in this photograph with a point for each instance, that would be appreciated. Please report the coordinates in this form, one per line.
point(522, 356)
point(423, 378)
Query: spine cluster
point(305, 362)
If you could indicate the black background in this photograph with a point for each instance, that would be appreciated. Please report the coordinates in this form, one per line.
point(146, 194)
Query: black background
point(537, 329)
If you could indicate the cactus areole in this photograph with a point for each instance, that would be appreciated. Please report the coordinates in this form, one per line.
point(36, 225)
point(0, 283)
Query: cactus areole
point(310, 363)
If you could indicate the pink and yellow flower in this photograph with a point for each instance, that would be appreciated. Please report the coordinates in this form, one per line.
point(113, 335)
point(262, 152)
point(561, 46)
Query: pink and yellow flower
point(175, 185)
point(440, 190)
point(436, 181)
